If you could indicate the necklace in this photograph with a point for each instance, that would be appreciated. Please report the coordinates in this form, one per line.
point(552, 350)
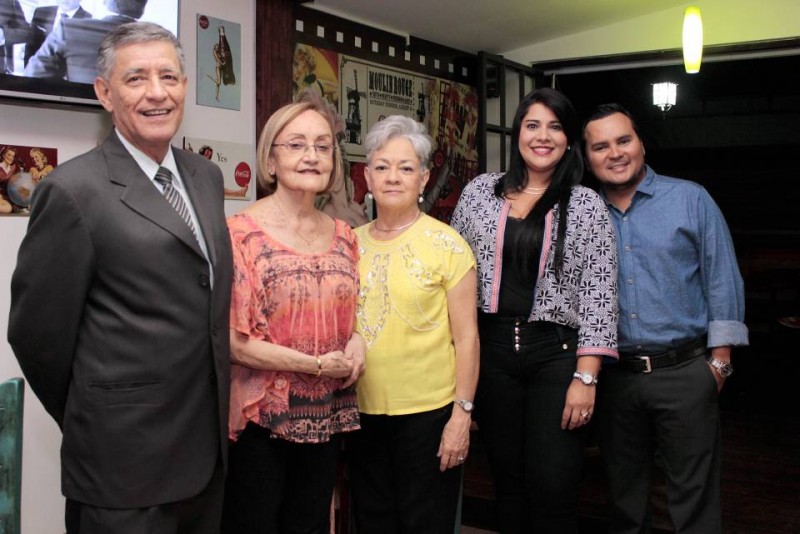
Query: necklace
point(534, 190)
point(375, 224)
point(296, 230)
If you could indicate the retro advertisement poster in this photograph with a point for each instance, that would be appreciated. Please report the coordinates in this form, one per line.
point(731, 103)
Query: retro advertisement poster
point(219, 60)
point(368, 92)
point(316, 69)
point(21, 169)
point(234, 159)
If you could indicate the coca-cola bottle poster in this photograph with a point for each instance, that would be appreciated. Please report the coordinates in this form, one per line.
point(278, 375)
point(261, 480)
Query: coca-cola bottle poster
point(219, 61)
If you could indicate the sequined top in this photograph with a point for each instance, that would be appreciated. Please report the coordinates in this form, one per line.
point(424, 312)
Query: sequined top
point(403, 317)
point(302, 301)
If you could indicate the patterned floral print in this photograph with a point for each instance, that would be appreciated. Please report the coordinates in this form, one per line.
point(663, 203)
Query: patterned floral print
point(585, 295)
point(302, 301)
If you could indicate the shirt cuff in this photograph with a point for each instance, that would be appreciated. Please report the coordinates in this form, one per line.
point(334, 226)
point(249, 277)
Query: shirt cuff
point(727, 333)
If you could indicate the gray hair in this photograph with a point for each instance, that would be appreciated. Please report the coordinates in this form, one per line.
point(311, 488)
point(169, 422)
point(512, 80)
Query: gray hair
point(133, 33)
point(395, 126)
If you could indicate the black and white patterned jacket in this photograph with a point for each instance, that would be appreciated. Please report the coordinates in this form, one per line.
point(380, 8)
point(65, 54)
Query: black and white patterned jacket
point(585, 296)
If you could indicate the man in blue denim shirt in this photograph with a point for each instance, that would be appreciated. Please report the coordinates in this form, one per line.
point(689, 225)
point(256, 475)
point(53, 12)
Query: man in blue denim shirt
point(681, 301)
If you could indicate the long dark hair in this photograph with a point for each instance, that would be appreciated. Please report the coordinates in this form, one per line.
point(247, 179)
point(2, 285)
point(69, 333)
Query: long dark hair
point(568, 172)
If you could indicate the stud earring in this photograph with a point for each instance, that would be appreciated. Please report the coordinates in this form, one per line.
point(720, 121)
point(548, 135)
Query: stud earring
point(569, 148)
point(369, 196)
point(420, 199)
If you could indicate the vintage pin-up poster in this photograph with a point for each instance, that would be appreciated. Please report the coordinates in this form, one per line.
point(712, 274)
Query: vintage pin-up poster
point(21, 169)
point(219, 60)
point(368, 92)
point(235, 160)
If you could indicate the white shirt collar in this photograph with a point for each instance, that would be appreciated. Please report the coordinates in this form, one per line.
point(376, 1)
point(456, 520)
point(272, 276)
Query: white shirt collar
point(147, 164)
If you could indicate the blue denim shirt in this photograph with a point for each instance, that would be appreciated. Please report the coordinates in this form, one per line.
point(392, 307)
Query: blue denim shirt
point(678, 276)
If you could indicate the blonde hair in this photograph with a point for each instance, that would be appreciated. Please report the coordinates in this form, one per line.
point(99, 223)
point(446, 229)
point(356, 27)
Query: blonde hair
point(275, 125)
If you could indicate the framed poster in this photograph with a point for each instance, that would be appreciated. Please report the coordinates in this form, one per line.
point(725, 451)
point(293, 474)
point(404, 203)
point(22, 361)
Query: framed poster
point(219, 60)
point(234, 159)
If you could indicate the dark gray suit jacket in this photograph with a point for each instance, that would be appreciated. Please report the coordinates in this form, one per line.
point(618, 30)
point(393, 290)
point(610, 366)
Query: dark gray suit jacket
point(118, 330)
point(70, 51)
point(42, 22)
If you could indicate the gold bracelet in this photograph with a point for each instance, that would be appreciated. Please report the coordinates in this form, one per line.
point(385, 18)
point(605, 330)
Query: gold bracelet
point(319, 366)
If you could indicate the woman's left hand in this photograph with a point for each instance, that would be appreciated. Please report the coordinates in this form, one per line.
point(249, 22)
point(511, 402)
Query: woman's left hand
point(356, 350)
point(579, 407)
point(454, 445)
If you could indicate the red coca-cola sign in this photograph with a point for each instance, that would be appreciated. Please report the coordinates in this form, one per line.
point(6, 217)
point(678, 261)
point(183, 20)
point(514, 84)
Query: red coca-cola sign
point(242, 174)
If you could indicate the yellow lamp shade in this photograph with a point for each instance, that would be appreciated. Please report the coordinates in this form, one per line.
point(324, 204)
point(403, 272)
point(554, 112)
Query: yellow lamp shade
point(692, 39)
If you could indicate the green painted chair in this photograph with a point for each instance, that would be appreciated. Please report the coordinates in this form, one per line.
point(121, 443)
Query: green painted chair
point(11, 405)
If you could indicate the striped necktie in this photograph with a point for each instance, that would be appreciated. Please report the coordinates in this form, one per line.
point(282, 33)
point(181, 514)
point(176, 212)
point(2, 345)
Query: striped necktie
point(164, 177)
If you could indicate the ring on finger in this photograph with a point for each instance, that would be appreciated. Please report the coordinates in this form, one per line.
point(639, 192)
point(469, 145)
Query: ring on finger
point(585, 415)
point(461, 459)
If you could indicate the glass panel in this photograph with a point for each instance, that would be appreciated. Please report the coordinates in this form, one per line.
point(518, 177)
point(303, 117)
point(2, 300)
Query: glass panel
point(493, 111)
point(528, 84)
point(508, 156)
point(512, 95)
point(493, 152)
point(495, 161)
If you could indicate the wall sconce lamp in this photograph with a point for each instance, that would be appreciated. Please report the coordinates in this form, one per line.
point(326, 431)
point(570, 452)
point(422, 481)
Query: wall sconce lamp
point(665, 95)
point(692, 39)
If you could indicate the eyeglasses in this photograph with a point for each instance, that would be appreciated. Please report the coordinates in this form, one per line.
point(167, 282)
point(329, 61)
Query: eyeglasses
point(296, 148)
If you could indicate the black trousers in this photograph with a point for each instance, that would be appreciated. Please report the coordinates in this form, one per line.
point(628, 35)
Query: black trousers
point(394, 471)
point(672, 413)
point(521, 394)
point(278, 487)
point(196, 515)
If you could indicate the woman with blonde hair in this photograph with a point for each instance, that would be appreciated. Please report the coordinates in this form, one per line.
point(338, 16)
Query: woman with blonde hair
point(295, 356)
point(40, 167)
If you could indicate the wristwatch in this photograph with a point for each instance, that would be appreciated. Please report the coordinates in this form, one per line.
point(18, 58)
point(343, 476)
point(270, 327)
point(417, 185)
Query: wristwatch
point(466, 405)
point(723, 368)
point(586, 378)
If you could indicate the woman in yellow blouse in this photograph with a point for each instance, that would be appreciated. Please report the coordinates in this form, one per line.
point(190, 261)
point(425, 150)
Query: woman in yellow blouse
point(417, 314)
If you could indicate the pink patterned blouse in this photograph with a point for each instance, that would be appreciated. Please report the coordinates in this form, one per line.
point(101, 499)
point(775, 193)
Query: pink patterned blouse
point(303, 301)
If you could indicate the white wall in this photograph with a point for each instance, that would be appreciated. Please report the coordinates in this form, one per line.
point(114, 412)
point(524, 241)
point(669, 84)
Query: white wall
point(724, 22)
point(74, 131)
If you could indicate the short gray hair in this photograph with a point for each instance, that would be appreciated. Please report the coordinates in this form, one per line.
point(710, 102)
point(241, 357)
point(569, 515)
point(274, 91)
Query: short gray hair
point(133, 33)
point(395, 126)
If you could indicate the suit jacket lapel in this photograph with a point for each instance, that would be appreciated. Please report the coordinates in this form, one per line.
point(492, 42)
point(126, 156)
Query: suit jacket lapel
point(199, 189)
point(141, 195)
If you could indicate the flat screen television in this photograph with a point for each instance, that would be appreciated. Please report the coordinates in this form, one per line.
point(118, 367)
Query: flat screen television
point(13, 81)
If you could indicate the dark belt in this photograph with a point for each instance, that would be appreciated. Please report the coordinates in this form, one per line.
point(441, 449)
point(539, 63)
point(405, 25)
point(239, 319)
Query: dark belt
point(645, 363)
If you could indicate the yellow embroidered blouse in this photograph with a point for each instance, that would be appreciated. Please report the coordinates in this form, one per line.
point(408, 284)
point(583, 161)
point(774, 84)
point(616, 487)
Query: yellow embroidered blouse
point(403, 317)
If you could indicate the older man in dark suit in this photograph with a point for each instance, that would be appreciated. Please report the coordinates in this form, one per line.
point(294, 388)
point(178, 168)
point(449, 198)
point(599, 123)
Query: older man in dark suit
point(120, 304)
point(70, 51)
point(47, 18)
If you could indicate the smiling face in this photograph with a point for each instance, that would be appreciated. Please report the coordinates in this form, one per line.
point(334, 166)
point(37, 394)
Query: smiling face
point(614, 152)
point(38, 158)
point(8, 156)
point(395, 175)
point(542, 140)
point(145, 93)
point(308, 170)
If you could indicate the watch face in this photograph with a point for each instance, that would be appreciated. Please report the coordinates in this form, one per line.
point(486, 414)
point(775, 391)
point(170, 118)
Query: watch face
point(467, 405)
point(725, 369)
point(586, 378)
